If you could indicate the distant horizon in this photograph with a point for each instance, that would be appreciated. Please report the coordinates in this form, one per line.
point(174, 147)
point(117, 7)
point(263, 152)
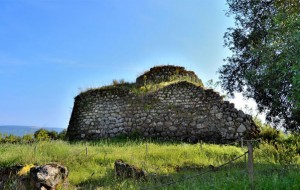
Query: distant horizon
point(21, 130)
point(33, 126)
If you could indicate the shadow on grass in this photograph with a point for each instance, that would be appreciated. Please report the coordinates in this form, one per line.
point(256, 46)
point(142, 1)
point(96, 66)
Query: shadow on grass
point(120, 141)
point(109, 181)
point(231, 176)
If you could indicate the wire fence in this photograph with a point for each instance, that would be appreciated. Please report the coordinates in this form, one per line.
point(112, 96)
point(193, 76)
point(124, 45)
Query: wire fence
point(241, 142)
point(194, 176)
point(217, 168)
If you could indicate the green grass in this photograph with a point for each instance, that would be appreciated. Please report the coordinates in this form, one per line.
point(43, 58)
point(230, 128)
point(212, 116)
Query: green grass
point(168, 161)
point(148, 87)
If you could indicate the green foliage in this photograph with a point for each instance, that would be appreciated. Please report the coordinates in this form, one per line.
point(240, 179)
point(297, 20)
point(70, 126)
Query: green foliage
point(287, 153)
point(28, 138)
point(212, 84)
point(52, 134)
point(284, 148)
point(294, 139)
point(149, 87)
point(118, 82)
point(62, 135)
point(265, 62)
point(270, 134)
point(10, 139)
point(267, 132)
point(42, 135)
point(39, 135)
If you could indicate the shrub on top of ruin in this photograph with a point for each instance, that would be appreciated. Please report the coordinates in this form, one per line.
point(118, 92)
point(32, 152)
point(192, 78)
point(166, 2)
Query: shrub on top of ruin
point(118, 82)
point(115, 82)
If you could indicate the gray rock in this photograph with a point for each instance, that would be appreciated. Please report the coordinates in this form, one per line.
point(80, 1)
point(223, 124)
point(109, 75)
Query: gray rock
point(148, 121)
point(172, 128)
point(168, 124)
point(219, 115)
point(125, 170)
point(48, 176)
point(201, 126)
point(241, 114)
point(241, 128)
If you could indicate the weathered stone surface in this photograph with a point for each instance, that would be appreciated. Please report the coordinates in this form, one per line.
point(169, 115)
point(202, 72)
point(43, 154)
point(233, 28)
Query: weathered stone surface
point(241, 128)
point(125, 170)
point(48, 176)
point(45, 177)
point(192, 140)
point(219, 115)
point(175, 111)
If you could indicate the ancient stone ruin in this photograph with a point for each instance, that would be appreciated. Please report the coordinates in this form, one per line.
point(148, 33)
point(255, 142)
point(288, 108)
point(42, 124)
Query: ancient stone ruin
point(166, 102)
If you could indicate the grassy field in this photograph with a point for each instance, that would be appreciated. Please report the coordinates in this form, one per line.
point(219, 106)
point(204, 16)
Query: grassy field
point(91, 164)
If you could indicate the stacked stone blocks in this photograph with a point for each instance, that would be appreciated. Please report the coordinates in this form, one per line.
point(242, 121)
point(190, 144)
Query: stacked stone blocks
point(178, 111)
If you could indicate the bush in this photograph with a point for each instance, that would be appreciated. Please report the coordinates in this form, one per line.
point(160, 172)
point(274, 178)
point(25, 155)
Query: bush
point(268, 133)
point(62, 135)
point(28, 138)
point(286, 153)
point(11, 139)
point(41, 135)
point(293, 139)
point(53, 135)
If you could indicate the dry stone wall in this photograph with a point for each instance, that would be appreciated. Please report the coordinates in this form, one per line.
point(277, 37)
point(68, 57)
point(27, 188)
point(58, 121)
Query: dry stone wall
point(179, 111)
point(165, 74)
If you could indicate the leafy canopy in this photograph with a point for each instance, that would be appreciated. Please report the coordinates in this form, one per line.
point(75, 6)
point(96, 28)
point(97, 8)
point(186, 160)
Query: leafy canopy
point(265, 60)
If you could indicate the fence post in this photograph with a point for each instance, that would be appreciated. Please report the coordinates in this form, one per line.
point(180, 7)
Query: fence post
point(35, 147)
point(146, 150)
point(246, 164)
point(35, 150)
point(242, 142)
point(201, 142)
point(250, 165)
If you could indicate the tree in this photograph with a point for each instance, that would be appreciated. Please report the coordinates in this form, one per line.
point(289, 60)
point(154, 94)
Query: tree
point(62, 134)
point(41, 135)
point(265, 60)
point(28, 138)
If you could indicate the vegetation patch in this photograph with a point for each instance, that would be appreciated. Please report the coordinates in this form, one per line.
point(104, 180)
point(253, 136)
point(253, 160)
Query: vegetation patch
point(91, 164)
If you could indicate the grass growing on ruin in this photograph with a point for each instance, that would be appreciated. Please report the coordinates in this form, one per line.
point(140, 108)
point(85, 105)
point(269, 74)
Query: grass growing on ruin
point(148, 86)
point(168, 161)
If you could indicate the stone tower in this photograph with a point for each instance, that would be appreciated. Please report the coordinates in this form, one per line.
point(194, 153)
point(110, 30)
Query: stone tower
point(167, 102)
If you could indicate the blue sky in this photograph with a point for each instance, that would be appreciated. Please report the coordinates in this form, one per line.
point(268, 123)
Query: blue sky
point(52, 49)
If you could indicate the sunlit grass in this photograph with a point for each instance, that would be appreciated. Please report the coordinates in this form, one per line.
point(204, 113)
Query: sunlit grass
point(91, 164)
